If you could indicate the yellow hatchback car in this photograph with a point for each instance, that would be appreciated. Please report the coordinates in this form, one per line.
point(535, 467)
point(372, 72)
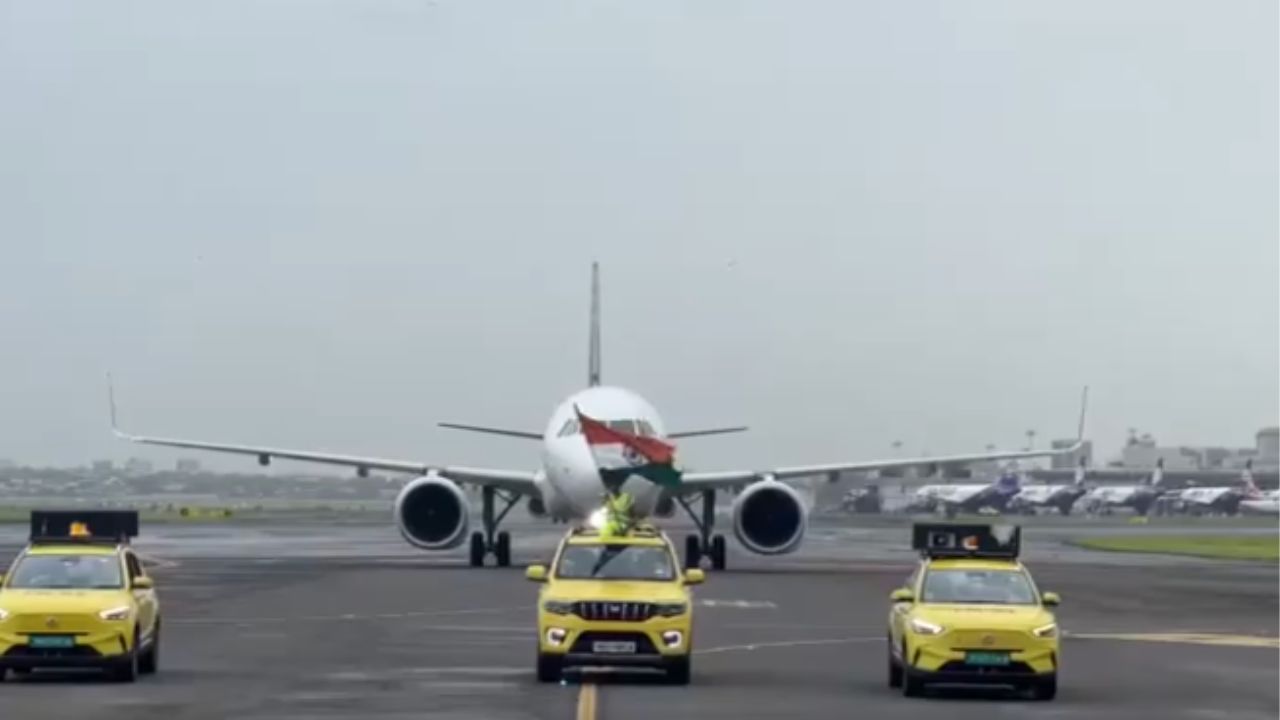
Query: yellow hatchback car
point(970, 613)
point(617, 601)
point(77, 597)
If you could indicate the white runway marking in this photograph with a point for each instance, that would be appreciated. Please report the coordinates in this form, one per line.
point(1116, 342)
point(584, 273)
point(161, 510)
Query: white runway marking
point(739, 604)
point(345, 616)
point(787, 644)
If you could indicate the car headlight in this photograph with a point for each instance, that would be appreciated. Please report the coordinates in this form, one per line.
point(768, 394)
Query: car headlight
point(4, 614)
point(670, 609)
point(924, 627)
point(1048, 631)
point(116, 613)
point(558, 607)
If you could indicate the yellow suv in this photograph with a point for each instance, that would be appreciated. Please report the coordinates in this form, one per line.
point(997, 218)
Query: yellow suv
point(77, 596)
point(970, 613)
point(615, 601)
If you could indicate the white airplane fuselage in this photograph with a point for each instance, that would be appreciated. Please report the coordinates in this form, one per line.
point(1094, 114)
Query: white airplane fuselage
point(570, 484)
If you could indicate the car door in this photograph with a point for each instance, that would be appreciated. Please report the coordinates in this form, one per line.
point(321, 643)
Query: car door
point(145, 598)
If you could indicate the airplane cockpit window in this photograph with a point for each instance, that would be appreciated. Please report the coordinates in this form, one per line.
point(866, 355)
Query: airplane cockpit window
point(645, 429)
point(571, 427)
point(631, 427)
point(626, 426)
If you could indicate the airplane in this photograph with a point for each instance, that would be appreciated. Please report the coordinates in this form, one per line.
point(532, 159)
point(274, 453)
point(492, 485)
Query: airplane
point(1268, 504)
point(1141, 498)
point(1224, 499)
point(769, 516)
point(1062, 496)
point(958, 498)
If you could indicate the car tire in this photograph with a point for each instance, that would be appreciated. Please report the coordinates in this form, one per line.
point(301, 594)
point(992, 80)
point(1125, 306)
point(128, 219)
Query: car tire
point(150, 661)
point(477, 549)
point(125, 670)
point(502, 549)
point(895, 670)
point(1046, 689)
point(550, 668)
point(679, 671)
point(912, 685)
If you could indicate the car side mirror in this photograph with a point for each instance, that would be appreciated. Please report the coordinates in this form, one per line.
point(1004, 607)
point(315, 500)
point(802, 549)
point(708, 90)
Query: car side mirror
point(694, 576)
point(1050, 599)
point(143, 583)
point(902, 595)
point(536, 573)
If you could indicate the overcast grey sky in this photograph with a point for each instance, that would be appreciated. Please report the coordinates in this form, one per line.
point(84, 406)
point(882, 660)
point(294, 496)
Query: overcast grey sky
point(331, 223)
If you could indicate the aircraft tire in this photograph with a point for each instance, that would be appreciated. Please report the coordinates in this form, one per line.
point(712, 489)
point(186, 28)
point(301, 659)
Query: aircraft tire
point(477, 549)
point(718, 553)
point(502, 549)
point(692, 551)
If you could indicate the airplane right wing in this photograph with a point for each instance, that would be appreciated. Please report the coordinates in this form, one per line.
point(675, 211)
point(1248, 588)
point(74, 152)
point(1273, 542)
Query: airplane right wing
point(698, 481)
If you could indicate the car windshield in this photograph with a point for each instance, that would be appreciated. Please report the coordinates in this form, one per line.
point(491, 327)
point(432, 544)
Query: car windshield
point(997, 587)
point(79, 572)
point(615, 562)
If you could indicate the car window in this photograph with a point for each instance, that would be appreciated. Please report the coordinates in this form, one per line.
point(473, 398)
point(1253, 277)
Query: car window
point(80, 572)
point(135, 567)
point(995, 587)
point(615, 562)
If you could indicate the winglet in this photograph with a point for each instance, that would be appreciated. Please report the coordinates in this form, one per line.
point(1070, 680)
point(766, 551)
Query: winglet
point(111, 404)
point(1084, 407)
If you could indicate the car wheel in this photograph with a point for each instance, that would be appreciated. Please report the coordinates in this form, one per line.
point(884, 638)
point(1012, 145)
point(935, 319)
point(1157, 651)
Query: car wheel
point(679, 671)
point(550, 669)
point(895, 670)
point(912, 686)
point(477, 549)
point(125, 669)
point(150, 661)
point(1045, 689)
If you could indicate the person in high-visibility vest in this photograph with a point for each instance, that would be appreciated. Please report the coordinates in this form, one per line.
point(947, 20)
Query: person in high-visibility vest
point(618, 514)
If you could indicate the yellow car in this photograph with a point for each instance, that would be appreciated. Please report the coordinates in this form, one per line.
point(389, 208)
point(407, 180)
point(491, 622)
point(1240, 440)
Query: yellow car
point(970, 613)
point(77, 596)
point(615, 601)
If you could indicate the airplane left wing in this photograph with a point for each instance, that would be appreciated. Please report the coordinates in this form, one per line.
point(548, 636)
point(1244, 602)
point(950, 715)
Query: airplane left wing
point(697, 481)
point(516, 481)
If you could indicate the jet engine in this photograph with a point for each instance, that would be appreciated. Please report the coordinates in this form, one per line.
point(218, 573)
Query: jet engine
point(770, 518)
point(537, 508)
point(666, 506)
point(432, 513)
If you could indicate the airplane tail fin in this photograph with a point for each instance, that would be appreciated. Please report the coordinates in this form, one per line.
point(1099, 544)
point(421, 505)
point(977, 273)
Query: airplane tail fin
point(1081, 472)
point(1157, 475)
point(593, 348)
point(1246, 478)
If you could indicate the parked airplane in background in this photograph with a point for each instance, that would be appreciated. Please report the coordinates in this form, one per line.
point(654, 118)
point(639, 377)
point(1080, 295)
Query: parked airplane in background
point(769, 515)
point(1221, 499)
point(954, 499)
point(1061, 496)
point(1268, 504)
point(1140, 498)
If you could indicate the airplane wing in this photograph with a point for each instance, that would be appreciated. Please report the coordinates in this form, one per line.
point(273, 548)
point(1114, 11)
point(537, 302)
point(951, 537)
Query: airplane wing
point(516, 481)
point(697, 481)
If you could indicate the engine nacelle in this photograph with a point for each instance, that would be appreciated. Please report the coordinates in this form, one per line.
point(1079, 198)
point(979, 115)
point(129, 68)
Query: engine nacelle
point(666, 506)
point(770, 518)
point(432, 513)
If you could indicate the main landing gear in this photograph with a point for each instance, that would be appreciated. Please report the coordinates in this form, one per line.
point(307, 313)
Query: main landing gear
point(491, 541)
point(704, 544)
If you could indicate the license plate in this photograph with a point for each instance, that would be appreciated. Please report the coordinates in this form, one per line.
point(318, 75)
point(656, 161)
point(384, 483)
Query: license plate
point(613, 647)
point(987, 658)
point(52, 641)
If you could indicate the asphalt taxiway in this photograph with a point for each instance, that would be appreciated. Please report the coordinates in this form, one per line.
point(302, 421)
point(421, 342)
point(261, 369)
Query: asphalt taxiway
point(348, 622)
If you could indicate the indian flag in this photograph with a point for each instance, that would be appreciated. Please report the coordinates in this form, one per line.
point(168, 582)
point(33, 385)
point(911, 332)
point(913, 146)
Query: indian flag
point(619, 455)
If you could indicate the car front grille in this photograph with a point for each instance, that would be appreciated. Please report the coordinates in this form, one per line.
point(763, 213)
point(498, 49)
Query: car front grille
point(613, 611)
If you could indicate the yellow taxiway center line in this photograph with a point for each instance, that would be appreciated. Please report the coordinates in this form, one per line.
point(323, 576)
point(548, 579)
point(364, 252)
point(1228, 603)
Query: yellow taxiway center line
point(587, 702)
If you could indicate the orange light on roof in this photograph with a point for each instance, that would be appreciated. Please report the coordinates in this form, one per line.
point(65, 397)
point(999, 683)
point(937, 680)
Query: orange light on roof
point(970, 543)
point(79, 529)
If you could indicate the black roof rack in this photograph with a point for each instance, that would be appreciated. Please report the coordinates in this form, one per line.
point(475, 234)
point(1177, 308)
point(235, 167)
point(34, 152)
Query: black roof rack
point(950, 540)
point(85, 526)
